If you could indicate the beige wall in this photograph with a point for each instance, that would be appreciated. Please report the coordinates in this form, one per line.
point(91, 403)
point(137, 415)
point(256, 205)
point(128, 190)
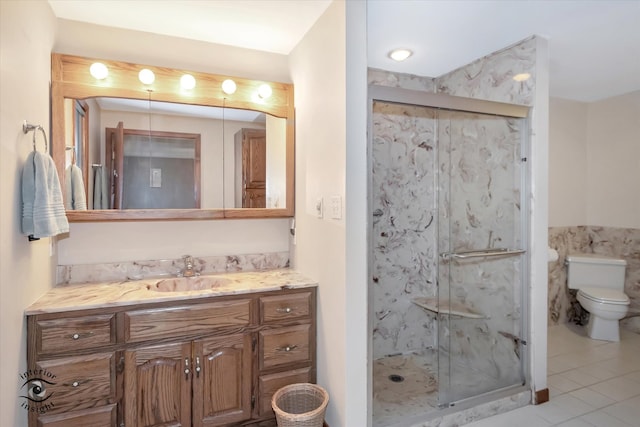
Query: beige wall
point(594, 162)
point(104, 242)
point(567, 163)
point(27, 30)
point(317, 67)
point(613, 162)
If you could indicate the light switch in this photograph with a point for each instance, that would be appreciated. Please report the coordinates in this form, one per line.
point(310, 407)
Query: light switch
point(336, 207)
point(156, 177)
point(319, 207)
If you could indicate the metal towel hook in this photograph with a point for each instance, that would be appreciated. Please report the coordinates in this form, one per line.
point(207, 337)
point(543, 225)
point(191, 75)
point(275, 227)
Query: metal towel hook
point(28, 127)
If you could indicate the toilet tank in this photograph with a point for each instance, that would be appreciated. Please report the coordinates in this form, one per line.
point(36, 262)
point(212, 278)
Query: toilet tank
point(591, 270)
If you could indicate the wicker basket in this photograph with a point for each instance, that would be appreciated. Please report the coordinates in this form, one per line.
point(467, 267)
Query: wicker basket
point(300, 405)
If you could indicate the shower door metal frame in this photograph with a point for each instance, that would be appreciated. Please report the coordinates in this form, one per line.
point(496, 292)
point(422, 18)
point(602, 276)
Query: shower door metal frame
point(441, 101)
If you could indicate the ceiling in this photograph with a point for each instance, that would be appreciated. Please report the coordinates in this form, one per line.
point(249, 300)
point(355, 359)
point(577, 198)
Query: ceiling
point(594, 44)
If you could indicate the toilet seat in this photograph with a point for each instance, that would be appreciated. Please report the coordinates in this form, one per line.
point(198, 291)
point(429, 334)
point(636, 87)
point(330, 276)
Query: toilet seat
point(605, 296)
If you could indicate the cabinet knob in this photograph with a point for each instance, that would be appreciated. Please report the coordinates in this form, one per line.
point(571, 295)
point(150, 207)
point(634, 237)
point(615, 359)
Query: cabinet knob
point(286, 310)
point(76, 336)
point(287, 348)
point(75, 384)
point(198, 369)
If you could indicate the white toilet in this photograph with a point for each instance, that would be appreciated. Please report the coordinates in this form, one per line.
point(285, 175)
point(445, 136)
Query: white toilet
point(600, 283)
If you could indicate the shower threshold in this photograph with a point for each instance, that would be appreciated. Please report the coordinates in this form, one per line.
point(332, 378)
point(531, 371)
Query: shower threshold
point(446, 306)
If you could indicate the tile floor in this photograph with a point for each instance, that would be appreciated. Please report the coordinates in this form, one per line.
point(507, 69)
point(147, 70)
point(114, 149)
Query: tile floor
point(591, 383)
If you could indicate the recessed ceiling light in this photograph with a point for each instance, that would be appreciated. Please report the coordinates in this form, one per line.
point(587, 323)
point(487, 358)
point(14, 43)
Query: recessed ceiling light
point(521, 77)
point(400, 54)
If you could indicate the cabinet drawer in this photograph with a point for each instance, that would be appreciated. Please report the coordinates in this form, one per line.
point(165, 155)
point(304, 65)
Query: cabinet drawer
point(75, 333)
point(104, 416)
point(284, 345)
point(269, 384)
point(79, 380)
point(174, 322)
point(285, 307)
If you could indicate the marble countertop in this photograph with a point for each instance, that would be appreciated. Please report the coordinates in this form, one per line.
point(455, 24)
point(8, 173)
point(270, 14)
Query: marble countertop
point(85, 296)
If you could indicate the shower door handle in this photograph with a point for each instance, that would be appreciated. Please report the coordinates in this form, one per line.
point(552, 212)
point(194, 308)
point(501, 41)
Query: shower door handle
point(482, 253)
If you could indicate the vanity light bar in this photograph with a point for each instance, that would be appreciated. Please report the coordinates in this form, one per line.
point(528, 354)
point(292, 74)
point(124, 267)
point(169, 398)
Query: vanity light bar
point(170, 85)
point(187, 81)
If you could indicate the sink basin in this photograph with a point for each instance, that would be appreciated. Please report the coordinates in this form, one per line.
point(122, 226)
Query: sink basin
point(183, 284)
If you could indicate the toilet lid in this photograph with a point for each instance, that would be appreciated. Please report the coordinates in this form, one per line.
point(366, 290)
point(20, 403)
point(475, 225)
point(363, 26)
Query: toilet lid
point(609, 296)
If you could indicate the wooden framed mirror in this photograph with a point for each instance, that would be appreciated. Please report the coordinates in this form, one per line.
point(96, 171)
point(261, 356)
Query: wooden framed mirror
point(202, 126)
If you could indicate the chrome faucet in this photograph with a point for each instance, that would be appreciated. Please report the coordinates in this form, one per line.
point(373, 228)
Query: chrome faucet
point(188, 270)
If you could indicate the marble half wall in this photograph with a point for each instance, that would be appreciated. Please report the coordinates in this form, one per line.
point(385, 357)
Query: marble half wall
point(623, 243)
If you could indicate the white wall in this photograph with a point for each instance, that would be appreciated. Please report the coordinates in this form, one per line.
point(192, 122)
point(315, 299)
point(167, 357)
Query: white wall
point(109, 242)
point(567, 163)
point(318, 71)
point(27, 31)
point(613, 161)
point(358, 332)
point(539, 226)
point(594, 162)
point(96, 41)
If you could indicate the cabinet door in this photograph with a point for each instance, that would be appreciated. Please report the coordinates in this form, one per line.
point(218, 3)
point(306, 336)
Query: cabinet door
point(157, 386)
point(222, 380)
point(104, 416)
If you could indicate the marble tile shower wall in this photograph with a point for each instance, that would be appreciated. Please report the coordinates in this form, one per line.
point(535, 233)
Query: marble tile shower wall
point(491, 77)
point(136, 270)
point(404, 230)
point(619, 242)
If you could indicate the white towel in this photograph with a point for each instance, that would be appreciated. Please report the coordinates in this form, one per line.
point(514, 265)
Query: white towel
point(76, 199)
point(100, 198)
point(42, 207)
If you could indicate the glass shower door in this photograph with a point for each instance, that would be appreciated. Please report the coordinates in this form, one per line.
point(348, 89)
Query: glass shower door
point(481, 237)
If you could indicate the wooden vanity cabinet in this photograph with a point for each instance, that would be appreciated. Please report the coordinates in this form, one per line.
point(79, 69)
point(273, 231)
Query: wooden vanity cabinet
point(200, 363)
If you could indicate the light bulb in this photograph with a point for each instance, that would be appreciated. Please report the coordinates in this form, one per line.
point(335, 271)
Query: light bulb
point(400, 54)
point(187, 82)
point(99, 70)
point(228, 86)
point(146, 76)
point(264, 91)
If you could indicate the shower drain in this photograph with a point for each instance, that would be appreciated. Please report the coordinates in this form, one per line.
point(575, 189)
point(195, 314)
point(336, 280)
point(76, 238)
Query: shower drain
point(396, 378)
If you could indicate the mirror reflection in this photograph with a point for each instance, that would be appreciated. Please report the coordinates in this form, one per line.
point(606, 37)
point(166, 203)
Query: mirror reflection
point(143, 154)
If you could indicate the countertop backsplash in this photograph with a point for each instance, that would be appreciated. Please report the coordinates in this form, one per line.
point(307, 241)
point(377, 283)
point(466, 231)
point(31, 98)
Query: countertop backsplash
point(137, 270)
